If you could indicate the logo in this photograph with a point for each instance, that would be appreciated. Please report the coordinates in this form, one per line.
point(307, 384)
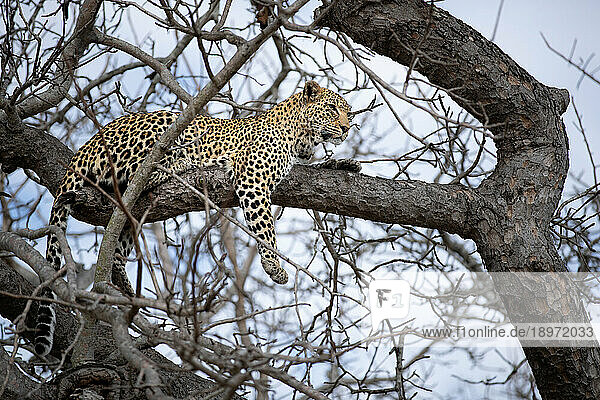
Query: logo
point(389, 300)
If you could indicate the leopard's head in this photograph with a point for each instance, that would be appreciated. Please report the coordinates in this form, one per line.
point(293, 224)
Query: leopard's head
point(327, 113)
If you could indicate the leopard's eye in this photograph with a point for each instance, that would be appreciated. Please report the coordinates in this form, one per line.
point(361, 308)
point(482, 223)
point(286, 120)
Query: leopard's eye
point(332, 107)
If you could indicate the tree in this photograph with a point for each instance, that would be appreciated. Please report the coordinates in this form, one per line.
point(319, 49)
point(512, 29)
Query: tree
point(65, 69)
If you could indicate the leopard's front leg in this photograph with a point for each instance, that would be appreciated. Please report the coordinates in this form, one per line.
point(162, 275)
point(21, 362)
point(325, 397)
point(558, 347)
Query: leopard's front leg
point(253, 187)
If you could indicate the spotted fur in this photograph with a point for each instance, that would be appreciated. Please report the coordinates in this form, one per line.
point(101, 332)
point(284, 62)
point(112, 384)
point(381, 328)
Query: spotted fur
point(257, 151)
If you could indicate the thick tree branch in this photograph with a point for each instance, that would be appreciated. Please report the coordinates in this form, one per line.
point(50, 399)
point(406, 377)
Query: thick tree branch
point(508, 216)
point(377, 199)
point(31, 148)
point(512, 210)
point(14, 385)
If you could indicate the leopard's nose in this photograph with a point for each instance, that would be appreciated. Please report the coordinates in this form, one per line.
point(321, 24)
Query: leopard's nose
point(345, 129)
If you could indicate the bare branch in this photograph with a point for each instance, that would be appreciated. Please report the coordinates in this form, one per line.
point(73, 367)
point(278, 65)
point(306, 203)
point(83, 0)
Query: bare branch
point(76, 45)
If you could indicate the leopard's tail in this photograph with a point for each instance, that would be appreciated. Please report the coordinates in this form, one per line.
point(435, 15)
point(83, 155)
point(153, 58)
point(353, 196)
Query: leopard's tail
point(46, 316)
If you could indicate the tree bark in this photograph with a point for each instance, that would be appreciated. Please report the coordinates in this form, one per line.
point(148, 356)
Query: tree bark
point(13, 288)
point(423, 204)
point(509, 214)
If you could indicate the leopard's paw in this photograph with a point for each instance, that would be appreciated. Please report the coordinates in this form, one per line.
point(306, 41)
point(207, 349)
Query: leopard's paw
point(280, 276)
point(275, 272)
point(345, 164)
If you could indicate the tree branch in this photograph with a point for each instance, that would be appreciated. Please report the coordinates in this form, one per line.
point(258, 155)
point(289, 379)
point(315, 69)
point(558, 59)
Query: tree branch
point(14, 385)
point(513, 207)
point(13, 292)
point(142, 175)
point(63, 74)
point(377, 199)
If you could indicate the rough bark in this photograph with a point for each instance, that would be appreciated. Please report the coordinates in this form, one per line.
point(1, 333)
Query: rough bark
point(423, 204)
point(16, 385)
point(510, 214)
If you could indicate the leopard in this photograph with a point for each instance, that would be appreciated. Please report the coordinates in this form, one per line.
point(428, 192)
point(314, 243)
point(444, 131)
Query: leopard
point(256, 151)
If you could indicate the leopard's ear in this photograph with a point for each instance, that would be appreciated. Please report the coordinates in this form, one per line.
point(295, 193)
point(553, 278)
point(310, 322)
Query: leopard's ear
point(311, 91)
